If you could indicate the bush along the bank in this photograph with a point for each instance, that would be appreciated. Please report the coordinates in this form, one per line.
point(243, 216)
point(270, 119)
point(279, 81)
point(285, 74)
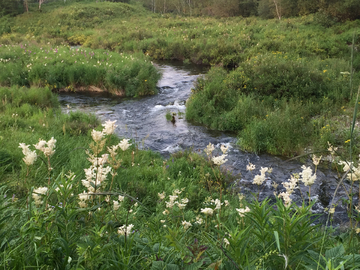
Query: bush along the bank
point(64, 68)
point(275, 100)
point(184, 219)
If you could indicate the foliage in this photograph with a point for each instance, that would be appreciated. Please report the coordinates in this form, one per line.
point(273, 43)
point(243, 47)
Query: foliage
point(62, 67)
point(148, 213)
point(205, 40)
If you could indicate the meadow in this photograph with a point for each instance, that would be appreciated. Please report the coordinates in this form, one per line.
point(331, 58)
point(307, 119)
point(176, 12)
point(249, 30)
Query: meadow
point(75, 196)
point(63, 68)
point(298, 73)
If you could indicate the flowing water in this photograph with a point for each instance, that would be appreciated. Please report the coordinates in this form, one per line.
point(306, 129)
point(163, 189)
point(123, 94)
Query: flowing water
point(143, 119)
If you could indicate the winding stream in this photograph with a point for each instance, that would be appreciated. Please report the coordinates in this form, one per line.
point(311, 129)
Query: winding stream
point(143, 119)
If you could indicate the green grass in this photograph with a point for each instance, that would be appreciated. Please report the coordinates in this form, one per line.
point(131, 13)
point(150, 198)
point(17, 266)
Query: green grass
point(60, 234)
point(296, 60)
point(286, 92)
point(202, 40)
point(61, 67)
point(278, 102)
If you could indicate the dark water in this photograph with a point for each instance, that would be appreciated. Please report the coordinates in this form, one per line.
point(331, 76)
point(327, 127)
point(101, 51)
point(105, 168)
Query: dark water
point(143, 119)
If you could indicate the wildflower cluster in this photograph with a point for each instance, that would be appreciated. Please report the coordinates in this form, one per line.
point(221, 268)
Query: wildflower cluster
point(30, 156)
point(353, 172)
point(97, 173)
point(125, 229)
point(37, 195)
point(219, 160)
point(242, 210)
point(215, 205)
point(47, 147)
point(259, 179)
point(181, 203)
point(289, 186)
point(307, 177)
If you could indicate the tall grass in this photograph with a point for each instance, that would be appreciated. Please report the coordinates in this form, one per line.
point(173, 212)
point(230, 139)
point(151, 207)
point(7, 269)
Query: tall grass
point(227, 41)
point(61, 67)
point(148, 213)
point(279, 103)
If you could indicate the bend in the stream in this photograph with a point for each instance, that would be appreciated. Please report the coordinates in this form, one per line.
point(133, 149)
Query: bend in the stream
point(143, 119)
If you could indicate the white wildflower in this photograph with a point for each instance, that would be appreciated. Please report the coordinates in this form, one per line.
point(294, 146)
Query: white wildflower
point(347, 165)
point(84, 196)
point(218, 204)
point(242, 211)
point(116, 205)
point(125, 229)
point(97, 135)
point(186, 224)
point(170, 204)
point(162, 195)
point(199, 220)
point(286, 197)
point(109, 127)
point(209, 149)
point(207, 211)
point(316, 160)
point(30, 156)
point(224, 149)
point(176, 191)
point(124, 144)
point(259, 179)
point(250, 167)
point(41, 190)
point(332, 149)
point(37, 195)
point(185, 200)
point(173, 197)
point(49, 150)
point(306, 176)
point(220, 160)
point(181, 205)
point(354, 175)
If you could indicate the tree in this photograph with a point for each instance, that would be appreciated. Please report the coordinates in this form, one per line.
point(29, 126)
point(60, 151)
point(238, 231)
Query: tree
point(10, 7)
point(248, 8)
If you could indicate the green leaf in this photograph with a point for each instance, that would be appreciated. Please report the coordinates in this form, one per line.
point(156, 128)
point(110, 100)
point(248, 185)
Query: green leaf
point(335, 252)
point(276, 234)
point(156, 247)
point(158, 265)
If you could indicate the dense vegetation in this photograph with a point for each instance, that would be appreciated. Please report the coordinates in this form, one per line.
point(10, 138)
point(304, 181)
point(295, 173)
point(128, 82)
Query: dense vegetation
point(337, 10)
point(130, 209)
point(74, 196)
point(63, 68)
point(279, 102)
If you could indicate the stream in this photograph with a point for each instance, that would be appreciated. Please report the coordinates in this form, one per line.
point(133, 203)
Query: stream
point(143, 119)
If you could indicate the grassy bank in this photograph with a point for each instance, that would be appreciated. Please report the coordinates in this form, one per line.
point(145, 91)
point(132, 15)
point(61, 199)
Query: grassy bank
point(63, 68)
point(280, 103)
point(81, 198)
